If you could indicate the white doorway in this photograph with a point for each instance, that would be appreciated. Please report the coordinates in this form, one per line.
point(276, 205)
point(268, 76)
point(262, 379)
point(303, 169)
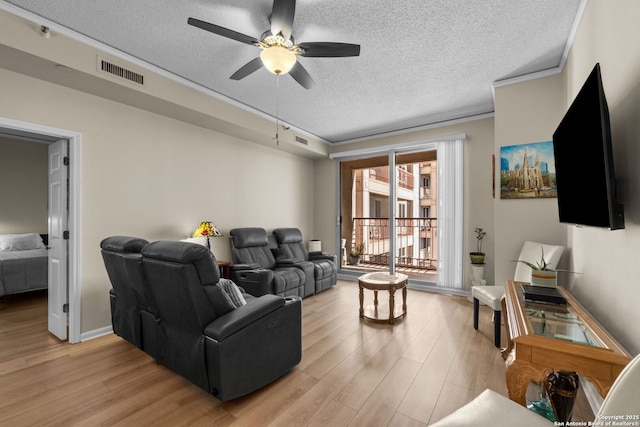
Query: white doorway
point(65, 291)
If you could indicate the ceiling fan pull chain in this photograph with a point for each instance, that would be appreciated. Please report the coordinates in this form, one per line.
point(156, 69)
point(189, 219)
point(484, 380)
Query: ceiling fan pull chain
point(277, 109)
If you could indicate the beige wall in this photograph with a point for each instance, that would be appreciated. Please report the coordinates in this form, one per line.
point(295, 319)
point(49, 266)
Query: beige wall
point(147, 175)
point(23, 187)
point(525, 113)
point(325, 226)
point(607, 260)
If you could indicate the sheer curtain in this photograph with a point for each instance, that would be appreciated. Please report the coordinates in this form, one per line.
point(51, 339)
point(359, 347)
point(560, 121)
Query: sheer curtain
point(450, 211)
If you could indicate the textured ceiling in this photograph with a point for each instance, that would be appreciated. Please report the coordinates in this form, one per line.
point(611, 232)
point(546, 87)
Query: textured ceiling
point(421, 61)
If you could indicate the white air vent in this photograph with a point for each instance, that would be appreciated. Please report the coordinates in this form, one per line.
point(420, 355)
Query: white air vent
point(112, 69)
point(301, 140)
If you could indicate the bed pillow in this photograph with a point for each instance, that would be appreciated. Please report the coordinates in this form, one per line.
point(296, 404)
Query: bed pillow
point(20, 242)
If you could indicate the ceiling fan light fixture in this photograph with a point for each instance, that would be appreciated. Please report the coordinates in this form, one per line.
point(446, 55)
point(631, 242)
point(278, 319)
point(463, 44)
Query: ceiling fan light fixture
point(278, 59)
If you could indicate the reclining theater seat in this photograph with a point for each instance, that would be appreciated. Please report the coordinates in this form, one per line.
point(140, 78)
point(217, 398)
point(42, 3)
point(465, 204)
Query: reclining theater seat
point(285, 257)
point(255, 268)
point(227, 351)
point(324, 271)
point(123, 261)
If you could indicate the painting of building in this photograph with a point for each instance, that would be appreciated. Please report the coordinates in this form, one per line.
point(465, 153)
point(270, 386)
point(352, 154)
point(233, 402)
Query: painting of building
point(527, 171)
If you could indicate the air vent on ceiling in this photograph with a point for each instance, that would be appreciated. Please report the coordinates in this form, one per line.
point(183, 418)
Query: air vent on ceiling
point(301, 140)
point(121, 72)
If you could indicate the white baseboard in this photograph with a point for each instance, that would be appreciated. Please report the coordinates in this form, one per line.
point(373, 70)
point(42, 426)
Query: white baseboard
point(85, 336)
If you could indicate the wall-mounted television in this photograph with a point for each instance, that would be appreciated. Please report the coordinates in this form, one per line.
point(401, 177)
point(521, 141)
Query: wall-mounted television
point(585, 177)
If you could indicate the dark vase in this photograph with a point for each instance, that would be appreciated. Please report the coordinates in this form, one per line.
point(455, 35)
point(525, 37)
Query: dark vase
point(562, 388)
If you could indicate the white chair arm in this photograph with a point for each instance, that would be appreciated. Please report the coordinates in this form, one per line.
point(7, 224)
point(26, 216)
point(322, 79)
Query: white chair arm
point(493, 409)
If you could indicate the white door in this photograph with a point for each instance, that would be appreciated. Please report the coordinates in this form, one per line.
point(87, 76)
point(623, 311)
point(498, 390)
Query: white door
point(58, 241)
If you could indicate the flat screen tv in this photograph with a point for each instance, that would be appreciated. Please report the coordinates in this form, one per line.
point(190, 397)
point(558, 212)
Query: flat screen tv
point(585, 178)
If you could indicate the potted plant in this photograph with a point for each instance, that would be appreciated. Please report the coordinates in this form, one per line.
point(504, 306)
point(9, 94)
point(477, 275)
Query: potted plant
point(477, 257)
point(356, 253)
point(541, 273)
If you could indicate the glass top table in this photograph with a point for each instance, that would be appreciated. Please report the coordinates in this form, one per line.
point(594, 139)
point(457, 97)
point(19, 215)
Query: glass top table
point(544, 337)
point(559, 322)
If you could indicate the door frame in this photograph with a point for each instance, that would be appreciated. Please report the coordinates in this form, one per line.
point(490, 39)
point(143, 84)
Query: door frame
point(47, 133)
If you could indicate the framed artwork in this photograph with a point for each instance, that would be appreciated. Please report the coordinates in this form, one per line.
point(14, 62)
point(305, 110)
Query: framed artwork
point(527, 171)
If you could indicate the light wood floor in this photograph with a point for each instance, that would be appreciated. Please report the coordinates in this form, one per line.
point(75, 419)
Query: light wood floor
point(352, 372)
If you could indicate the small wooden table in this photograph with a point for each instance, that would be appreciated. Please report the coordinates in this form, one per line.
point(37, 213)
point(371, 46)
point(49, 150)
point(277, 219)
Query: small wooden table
point(225, 269)
point(383, 282)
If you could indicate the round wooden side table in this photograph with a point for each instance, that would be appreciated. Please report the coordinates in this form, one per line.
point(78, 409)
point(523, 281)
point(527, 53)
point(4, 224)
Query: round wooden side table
point(383, 282)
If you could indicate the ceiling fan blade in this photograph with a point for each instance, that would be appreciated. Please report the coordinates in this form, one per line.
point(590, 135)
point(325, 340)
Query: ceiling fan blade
point(300, 74)
point(329, 49)
point(248, 68)
point(282, 15)
point(221, 31)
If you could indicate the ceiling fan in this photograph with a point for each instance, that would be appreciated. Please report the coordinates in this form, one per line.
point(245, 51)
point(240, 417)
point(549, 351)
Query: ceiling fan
point(279, 50)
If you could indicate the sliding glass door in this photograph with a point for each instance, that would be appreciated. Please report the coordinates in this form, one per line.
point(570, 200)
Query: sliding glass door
point(389, 219)
point(401, 210)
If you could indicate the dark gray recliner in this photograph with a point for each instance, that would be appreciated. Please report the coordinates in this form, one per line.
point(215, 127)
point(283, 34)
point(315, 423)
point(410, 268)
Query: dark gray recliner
point(255, 268)
point(133, 313)
point(227, 351)
point(325, 270)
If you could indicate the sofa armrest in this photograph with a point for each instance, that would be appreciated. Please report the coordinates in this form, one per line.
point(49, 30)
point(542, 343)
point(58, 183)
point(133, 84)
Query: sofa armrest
point(253, 345)
point(256, 282)
point(237, 319)
point(321, 255)
point(244, 266)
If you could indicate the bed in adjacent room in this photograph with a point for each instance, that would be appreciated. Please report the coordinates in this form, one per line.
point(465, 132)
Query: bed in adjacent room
point(23, 263)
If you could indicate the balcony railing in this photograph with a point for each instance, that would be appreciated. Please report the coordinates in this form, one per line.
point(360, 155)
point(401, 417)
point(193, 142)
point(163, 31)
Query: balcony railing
point(416, 241)
point(404, 178)
point(425, 193)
